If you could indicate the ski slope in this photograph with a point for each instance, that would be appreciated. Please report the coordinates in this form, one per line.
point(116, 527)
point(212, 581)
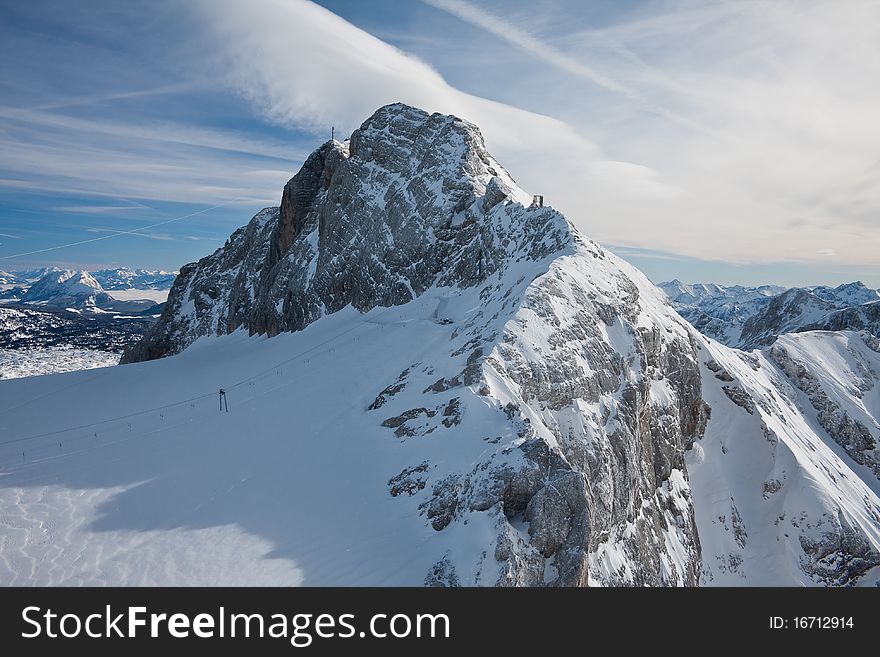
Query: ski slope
point(287, 488)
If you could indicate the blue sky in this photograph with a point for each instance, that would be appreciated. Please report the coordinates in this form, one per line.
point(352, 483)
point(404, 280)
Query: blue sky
point(731, 142)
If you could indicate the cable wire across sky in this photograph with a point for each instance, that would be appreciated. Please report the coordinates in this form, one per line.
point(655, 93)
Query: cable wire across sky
point(120, 233)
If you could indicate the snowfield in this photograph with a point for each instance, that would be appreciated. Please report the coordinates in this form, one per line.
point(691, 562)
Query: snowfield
point(158, 296)
point(760, 477)
point(16, 363)
point(287, 488)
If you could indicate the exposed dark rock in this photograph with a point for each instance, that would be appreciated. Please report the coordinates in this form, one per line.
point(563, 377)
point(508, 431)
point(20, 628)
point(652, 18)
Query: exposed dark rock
point(410, 480)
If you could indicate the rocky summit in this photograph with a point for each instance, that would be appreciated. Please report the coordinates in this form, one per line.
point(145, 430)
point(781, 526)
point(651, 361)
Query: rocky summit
point(410, 201)
point(554, 421)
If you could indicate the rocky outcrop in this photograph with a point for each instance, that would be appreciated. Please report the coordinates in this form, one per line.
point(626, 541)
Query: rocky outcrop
point(787, 312)
point(371, 222)
point(864, 317)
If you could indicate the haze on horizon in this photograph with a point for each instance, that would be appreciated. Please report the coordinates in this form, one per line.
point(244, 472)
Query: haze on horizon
point(724, 142)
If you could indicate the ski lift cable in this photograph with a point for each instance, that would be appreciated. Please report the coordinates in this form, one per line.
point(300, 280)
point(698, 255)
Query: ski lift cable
point(58, 457)
point(254, 377)
point(106, 421)
point(155, 431)
point(174, 425)
point(56, 391)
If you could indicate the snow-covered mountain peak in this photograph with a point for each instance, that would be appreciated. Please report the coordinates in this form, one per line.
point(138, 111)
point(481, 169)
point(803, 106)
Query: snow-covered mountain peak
point(125, 278)
point(848, 294)
point(65, 287)
point(411, 201)
point(79, 282)
point(81, 291)
point(458, 389)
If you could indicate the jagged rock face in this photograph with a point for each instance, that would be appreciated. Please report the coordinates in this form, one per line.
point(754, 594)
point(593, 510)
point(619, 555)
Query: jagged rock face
point(844, 410)
point(749, 317)
point(789, 311)
point(621, 400)
point(208, 295)
point(602, 408)
point(373, 222)
point(865, 317)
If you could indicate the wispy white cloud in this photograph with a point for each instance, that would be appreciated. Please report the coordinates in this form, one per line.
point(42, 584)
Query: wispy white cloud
point(93, 99)
point(351, 73)
point(95, 209)
point(524, 39)
point(750, 127)
point(100, 158)
point(204, 238)
point(137, 232)
point(154, 131)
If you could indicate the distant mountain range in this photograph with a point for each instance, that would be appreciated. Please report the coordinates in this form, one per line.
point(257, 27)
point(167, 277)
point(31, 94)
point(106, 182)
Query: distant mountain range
point(55, 320)
point(751, 317)
point(119, 278)
point(108, 289)
point(123, 278)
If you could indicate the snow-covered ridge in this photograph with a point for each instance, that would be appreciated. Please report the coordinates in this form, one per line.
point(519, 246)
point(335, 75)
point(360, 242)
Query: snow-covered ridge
point(118, 278)
point(67, 288)
point(749, 317)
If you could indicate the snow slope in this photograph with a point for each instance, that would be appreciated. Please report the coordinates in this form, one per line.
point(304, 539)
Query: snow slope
point(188, 495)
point(291, 486)
point(776, 495)
point(838, 375)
